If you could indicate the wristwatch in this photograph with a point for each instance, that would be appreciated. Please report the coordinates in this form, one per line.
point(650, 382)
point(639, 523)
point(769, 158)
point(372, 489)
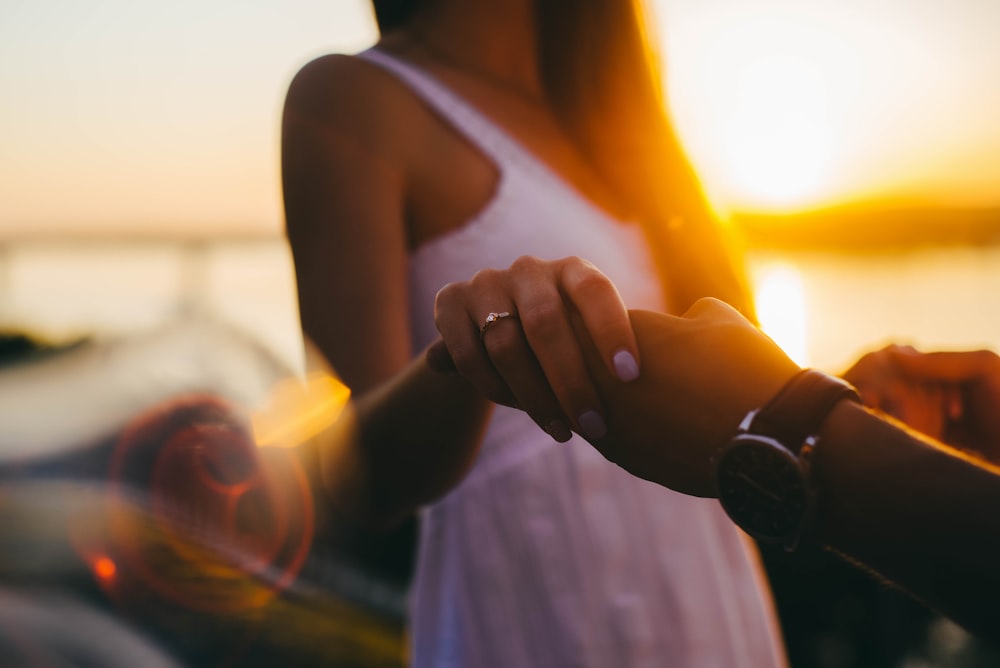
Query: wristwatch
point(763, 473)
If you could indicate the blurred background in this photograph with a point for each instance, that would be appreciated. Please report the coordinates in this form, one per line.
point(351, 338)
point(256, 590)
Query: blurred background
point(851, 145)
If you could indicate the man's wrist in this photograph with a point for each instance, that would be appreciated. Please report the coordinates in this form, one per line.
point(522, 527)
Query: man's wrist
point(764, 474)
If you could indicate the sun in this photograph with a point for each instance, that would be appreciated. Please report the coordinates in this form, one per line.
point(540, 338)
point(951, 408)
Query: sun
point(759, 99)
point(777, 142)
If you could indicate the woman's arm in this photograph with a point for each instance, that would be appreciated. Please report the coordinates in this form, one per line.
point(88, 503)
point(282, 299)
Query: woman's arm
point(348, 160)
point(344, 184)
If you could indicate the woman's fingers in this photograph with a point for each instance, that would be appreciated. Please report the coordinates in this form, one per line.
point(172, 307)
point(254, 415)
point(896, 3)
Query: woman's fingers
point(480, 327)
point(461, 336)
point(604, 314)
point(516, 364)
point(510, 334)
point(545, 321)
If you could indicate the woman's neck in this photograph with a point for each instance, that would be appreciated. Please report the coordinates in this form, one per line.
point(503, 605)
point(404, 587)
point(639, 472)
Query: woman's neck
point(493, 39)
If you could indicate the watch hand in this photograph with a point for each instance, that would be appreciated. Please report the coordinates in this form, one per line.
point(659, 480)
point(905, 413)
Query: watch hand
point(760, 488)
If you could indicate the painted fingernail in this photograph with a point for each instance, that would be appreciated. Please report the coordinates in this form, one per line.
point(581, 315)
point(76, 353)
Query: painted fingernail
point(592, 425)
point(558, 430)
point(625, 366)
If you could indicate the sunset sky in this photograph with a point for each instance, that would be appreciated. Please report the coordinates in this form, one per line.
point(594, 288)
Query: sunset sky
point(163, 117)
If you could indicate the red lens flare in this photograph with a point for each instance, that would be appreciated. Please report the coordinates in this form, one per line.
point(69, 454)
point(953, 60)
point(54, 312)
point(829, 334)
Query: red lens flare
point(226, 524)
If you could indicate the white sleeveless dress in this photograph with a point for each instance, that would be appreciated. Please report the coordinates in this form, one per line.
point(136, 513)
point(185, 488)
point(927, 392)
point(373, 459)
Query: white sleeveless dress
point(548, 555)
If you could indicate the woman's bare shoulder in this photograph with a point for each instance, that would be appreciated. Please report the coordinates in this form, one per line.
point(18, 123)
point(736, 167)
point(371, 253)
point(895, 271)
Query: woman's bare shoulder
point(334, 74)
point(350, 95)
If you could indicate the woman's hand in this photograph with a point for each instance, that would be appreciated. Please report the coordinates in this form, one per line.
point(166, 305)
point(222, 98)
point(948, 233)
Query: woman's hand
point(532, 358)
point(921, 402)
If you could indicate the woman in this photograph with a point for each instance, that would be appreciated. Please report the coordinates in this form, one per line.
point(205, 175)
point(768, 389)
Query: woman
point(489, 172)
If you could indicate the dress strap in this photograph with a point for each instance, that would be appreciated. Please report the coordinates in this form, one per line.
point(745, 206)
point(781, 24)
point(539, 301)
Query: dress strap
point(465, 118)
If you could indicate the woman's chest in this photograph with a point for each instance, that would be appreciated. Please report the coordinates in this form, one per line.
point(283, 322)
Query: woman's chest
point(453, 178)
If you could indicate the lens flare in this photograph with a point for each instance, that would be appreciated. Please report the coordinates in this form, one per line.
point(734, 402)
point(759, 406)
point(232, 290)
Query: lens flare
point(201, 515)
point(298, 410)
point(104, 568)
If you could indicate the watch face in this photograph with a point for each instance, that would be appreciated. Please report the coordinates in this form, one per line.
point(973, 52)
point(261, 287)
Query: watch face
point(762, 487)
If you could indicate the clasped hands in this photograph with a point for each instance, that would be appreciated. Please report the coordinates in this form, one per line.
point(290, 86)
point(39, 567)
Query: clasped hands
point(660, 394)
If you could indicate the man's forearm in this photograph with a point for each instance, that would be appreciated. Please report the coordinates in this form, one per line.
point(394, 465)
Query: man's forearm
point(919, 514)
point(915, 512)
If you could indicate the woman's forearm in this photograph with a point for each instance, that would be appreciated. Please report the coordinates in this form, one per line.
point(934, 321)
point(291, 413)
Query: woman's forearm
point(403, 444)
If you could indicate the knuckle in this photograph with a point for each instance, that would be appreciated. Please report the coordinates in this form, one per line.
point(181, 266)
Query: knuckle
point(713, 305)
point(446, 295)
point(588, 283)
point(699, 308)
point(988, 358)
point(988, 355)
point(485, 276)
point(864, 364)
point(576, 262)
point(579, 273)
point(526, 263)
point(896, 348)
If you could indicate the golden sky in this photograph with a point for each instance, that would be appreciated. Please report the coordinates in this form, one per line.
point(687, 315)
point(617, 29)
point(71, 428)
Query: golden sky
point(788, 104)
point(163, 117)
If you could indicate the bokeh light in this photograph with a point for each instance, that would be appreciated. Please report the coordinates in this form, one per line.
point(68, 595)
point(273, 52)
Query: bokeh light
point(104, 568)
point(300, 409)
point(781, 308)
point(201, 515)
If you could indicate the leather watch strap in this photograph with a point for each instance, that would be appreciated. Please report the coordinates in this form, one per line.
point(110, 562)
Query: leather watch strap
point(799, 408)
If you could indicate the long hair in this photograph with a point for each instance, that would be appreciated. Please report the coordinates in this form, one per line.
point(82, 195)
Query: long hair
point(599, 68)
point(390, 14)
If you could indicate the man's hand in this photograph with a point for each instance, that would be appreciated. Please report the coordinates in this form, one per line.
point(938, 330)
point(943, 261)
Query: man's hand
point(921, 403)
point(973, 422)
point(701, 374)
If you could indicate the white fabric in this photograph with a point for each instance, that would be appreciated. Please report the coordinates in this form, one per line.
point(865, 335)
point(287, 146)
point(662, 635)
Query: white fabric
point(547, 554)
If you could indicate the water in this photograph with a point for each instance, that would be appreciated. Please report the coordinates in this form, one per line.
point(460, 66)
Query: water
point(64, 291)
point(929, 298)
point(824, 308)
